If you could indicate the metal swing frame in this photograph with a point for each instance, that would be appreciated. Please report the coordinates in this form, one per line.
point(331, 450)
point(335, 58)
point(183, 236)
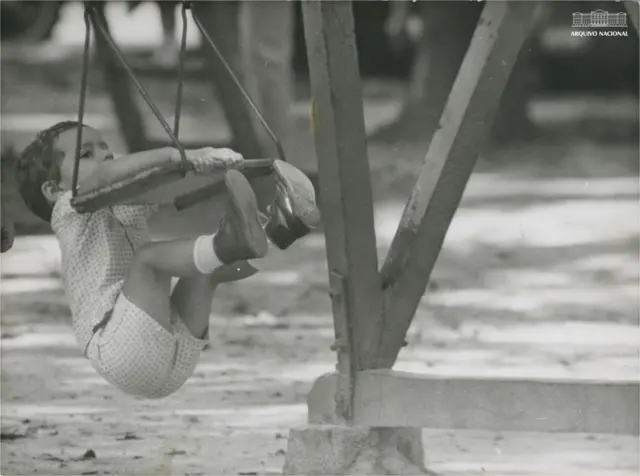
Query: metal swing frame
point(365, 402)
point(161, 175)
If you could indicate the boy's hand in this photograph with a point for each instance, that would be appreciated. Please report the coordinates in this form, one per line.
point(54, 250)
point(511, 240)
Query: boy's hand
point(210, 160)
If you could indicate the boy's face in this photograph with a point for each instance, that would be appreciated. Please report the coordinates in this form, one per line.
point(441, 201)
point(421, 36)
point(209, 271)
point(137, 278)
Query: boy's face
point(93, 151)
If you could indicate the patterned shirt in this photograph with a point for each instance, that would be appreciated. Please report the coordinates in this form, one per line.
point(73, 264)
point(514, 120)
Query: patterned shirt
point(97, 249)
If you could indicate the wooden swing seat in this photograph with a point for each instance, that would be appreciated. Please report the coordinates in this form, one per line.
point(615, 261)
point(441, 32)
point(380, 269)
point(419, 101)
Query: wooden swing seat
point(155, 177)
point(126, 189)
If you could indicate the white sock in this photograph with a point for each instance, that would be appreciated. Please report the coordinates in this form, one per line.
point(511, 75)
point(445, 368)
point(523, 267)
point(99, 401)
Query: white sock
point(204, 255)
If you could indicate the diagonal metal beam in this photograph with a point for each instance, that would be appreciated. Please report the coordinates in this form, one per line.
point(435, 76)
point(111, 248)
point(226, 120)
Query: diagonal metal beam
point(344, 177)
point(464, 127)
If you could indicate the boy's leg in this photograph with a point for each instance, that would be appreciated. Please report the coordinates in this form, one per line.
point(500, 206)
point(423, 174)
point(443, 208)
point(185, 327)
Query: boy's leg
point(192, 298)
point(240, 237)
point(148, 284)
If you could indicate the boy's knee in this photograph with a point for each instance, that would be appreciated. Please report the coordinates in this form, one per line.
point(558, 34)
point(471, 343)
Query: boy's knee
point(144, 254)
point(143, 275)
point(145, 258)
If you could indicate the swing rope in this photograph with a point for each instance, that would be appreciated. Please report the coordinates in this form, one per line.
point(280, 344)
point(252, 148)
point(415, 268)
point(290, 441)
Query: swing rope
point(183, 50)
point(143, 92)
point(83, 94)
point(96, 199)
point(90, 17)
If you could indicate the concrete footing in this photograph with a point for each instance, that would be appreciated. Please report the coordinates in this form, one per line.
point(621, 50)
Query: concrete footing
point(354, 450)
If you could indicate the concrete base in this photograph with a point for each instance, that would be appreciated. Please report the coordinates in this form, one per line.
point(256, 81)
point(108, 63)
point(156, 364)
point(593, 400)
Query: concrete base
point(386, 398)
point(350, 450)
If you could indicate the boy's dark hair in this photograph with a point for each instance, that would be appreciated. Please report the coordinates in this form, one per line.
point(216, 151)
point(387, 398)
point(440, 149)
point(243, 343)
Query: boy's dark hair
point(39, 163)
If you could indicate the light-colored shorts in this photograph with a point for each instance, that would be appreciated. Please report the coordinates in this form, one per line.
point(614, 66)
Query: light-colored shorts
point(139, 356)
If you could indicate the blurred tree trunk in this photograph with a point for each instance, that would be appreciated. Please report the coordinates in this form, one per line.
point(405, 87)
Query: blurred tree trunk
point(267, 35)
point(256, 38)
point(448, 28)
point(266, 30)
point(120, 88)
point(221, 20)
point(512, 122)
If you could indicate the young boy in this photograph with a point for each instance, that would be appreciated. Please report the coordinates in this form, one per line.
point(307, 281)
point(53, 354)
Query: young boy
point(138, 335)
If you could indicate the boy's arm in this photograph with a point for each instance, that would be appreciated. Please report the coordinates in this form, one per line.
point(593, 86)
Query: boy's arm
point(113, 171)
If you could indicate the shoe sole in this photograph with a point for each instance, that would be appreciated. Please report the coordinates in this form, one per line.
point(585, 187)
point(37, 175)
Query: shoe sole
point(246, 207)
point(304, 206)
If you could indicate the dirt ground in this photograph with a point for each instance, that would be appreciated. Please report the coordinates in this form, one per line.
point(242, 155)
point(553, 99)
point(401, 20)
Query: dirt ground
point(538, 278)
point(544, 287)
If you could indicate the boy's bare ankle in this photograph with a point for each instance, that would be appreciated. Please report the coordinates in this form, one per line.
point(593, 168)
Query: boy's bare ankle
point(233, 272)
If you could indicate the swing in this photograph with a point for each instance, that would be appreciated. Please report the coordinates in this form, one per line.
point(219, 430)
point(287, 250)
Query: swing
point(154, 177)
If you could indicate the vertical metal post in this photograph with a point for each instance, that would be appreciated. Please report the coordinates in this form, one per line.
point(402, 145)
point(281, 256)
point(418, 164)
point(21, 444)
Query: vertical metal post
point(345, 185)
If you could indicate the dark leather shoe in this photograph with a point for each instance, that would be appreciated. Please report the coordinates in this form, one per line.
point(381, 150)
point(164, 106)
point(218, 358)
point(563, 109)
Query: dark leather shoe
point(293, 213)
point(240, 235)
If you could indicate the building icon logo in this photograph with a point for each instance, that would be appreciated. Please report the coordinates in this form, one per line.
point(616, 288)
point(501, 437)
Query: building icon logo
point(599, 19)
point(599, 23)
